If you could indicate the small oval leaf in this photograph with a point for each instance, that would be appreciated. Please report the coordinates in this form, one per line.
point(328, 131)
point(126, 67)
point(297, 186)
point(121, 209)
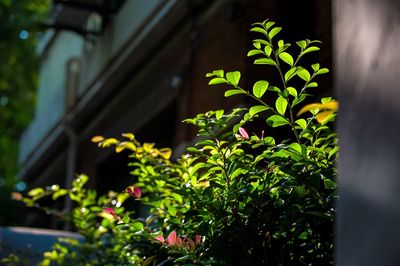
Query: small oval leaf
point(276, 121)
point(274, 32)
point(229, 93)
point(304, 74)
point(260, 87)
point(216, 81)
point(281, 105)
point(287, 58)
point(233, 77)
point(257, 109)
point(264, 61)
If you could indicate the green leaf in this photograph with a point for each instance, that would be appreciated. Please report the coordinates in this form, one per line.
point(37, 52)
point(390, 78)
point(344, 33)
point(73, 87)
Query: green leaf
point(269, 140)
point(312, 85)
point(304, 74)
point(299, 99)
point(302, 123)
point(59, 193)
point(276, 121)
point(216, 81)
point(260, 87)
point(264, 61)
point(274, 32)
point(137, 226)
point(219, 114)
point(310, 49)
point(233, 77)
point(229, 93)
point(237, 172)
point(268, 50)
point(302, 44)
point(208, 75)
point(281, 43)
point(172, 210)
point(296, 147)
point(281, 105)
point(255, 52)
point(287, 58)
point(177, 197)
point(292, 91)
point(95, 209)
point(283, 48)
point(326, 99)
point(257, 109)
point(274, 88)
point(333, 152)
point(219, 73)
point(36, 192)
point(322, 71)
point(259, 30)
point(315, 67)
point(257, 45)
point(269, 24)
point(261, 41)
point(329, 184)
point(290, 73)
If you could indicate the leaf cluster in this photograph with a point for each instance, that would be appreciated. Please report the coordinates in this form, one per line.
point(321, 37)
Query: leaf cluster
point(254, 200)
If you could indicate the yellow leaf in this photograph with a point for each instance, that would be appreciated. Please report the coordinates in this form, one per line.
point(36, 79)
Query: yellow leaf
point(109, 142)
point(129, 136)
point(96, 139)
point(309, 107)
point(118, 149)
point(203, 184)
point(332, 106)
point(125, 145)
point(324, 116)
point(130, 146)
point(147, 146)
point(106, 215)
point(165, 153)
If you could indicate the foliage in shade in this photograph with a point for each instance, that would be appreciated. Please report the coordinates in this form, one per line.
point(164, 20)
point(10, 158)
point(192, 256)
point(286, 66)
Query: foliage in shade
point(236, 197)
point(18, 82)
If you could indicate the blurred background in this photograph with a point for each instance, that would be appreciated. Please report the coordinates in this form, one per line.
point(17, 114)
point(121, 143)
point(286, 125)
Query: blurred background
point(73, 69)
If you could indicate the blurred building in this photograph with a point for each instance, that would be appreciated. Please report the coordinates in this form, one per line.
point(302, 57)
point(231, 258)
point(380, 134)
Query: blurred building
point(116, 66)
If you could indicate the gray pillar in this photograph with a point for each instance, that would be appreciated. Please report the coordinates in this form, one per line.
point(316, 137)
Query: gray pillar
point(367, 79)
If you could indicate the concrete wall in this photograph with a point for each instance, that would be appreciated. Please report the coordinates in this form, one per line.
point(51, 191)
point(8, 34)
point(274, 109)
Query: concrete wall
point(51, 93)
point(125, 25)
point(367, 64)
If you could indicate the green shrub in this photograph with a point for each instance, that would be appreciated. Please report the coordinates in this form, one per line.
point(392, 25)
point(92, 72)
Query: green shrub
point(237, 197)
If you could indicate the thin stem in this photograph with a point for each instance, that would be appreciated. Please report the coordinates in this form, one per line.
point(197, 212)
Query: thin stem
point(285, 87)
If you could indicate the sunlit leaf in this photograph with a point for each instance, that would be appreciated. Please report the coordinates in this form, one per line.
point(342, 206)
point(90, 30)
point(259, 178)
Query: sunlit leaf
point(216, 81)
point(274, 32)
point(260, 87)
point(304, 74)
point(310, 49)
point(281, 104)
point(264, 61)
point(254, 52)
point(96, 139)
point(276, 121)
point(287, 58)
point(257, 109)
point(229, 93)
point(233, 77)
point(292, 91)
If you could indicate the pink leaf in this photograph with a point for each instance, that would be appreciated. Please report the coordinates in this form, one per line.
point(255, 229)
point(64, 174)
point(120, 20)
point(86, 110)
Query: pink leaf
point(171, 239)
point(137, 192)
point(198, 239)
point(243, 133)
point(160, 238)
